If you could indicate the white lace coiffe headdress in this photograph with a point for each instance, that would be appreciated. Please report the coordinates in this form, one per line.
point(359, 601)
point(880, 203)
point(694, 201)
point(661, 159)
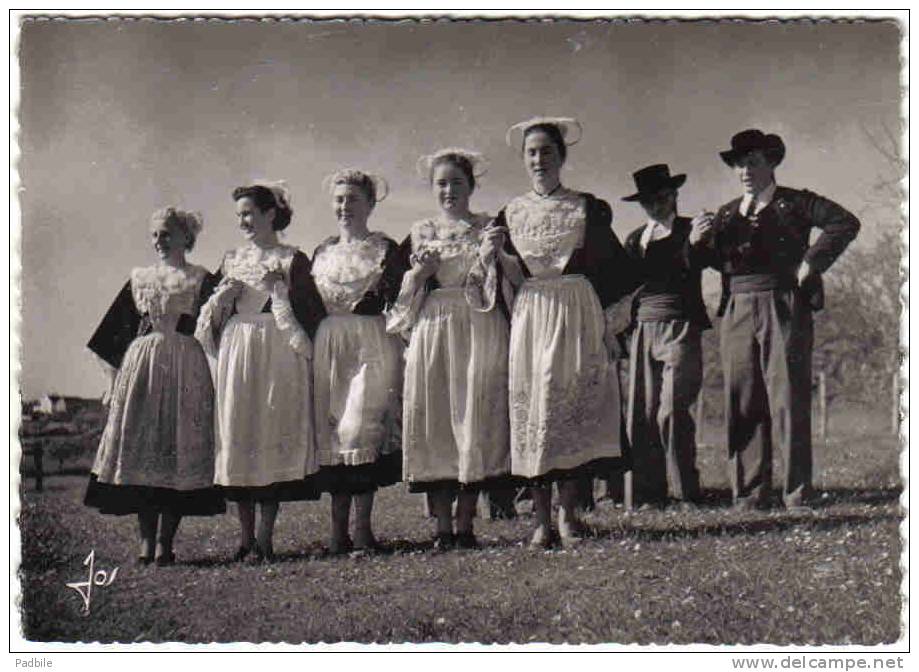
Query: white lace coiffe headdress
point(279, 189)
point(360, 178)
point(191, 221)
point(565, 125)
point(427, 162)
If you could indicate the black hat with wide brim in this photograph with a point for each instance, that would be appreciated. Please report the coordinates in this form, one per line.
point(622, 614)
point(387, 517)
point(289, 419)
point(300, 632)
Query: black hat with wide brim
point(753, 140)
point(652, 179)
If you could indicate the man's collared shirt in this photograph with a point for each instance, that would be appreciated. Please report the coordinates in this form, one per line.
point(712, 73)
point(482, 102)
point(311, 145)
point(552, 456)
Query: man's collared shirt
point(763, 199)
point(655, 231)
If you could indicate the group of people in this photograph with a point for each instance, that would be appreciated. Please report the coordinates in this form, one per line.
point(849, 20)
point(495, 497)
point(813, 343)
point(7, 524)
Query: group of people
point(478, 354)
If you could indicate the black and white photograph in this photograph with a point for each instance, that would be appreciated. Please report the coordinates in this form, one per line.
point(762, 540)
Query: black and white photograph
point(542, 330)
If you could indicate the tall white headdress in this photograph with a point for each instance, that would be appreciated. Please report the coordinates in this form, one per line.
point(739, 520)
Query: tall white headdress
point(565, 125)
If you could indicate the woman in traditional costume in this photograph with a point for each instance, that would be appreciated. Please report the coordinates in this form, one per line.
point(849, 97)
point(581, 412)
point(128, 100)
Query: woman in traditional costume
point(357, 371)
point(455, 424)
point(564, 392)
point(259, 323)
point(156, 455)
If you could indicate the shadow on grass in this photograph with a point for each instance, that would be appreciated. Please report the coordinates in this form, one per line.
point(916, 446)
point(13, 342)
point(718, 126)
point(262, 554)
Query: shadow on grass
point(721, 497)
point(777, 520)
point(832, 496)
point(744, 527)
point(666, 530)
point(388, 547)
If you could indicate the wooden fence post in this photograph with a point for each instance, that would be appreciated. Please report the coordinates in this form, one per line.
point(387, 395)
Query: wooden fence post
point(628, 493)
point(895, 415)
point(824, 416)
point(700, 418)
point(38, 457)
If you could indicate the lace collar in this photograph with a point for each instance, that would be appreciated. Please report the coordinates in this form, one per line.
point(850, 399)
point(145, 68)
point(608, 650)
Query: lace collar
point(169, 279)
point(561, 207)
point(338, 261)
point(547, 230)
point(250, 263)
point(345, 271)
point(442, 230)
point(151, 286)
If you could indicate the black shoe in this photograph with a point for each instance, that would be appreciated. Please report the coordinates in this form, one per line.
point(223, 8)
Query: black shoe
point(444, 541)
point(264, 554)
point(466, 541)
point(165, 560)
point(144, 560)
point(363, 549)
point(343, 547)
point(241, 553)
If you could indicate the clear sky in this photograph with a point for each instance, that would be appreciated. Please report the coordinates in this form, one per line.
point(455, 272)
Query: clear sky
point(120, 118)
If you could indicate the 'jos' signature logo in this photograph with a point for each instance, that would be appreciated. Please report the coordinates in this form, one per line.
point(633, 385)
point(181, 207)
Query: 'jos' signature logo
point(100, 578)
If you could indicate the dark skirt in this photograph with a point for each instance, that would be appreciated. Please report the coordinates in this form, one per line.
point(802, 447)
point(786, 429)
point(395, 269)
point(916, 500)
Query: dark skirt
point(448, 485)
point(287, 491)
point(602, 467)
point(123, 500)
point(360, 478)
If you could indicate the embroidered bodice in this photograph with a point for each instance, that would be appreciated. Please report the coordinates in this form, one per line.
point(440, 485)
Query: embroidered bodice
point(249, 264)
point(164, 293)
point(547, 230)
point(345, 271)
point(457, 243)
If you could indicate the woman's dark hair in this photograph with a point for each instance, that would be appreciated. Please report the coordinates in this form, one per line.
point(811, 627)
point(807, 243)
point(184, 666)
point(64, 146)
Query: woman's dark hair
point(458, 160)
point(264, 199)
point(555, 135)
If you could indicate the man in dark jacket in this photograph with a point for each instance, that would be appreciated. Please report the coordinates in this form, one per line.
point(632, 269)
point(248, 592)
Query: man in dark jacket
point(771, 285)
point(665, 370)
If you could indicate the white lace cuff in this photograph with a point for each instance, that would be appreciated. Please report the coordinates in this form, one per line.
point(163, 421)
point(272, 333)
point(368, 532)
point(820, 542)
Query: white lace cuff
point(287, 322)
point(402, 316)
point(210, 320)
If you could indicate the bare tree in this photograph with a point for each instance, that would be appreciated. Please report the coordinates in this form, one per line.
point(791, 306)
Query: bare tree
point(856, 342)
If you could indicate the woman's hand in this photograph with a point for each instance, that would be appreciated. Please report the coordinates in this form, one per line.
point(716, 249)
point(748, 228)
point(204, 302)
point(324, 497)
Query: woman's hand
point(804, 273)
point(492, 243)
point(271, 278)
point(703, 226)
point(425, 264)
point(229, 289)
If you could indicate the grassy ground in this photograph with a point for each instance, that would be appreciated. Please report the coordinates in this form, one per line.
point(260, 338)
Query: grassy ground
point(711, 576)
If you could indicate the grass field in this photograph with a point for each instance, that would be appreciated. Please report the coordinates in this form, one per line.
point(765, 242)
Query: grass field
point(711, 576)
